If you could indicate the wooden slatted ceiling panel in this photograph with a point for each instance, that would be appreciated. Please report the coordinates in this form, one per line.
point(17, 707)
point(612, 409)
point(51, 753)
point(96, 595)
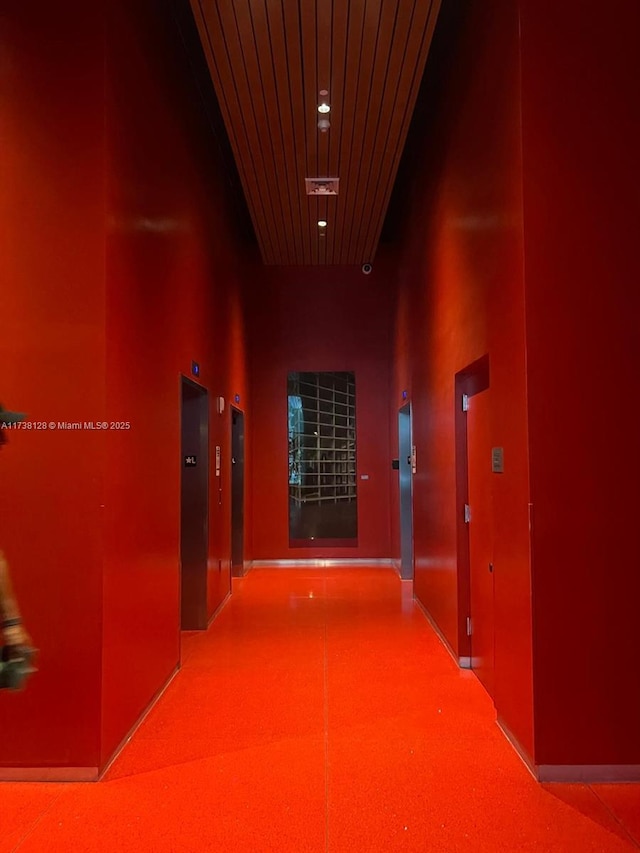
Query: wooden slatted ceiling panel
point(269, 59)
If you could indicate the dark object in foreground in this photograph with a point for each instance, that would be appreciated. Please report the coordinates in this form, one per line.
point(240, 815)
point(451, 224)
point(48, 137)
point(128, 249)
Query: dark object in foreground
point(15, 666)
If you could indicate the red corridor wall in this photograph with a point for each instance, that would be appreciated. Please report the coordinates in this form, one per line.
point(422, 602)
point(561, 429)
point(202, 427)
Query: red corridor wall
point(120, 264)
point(173, 281)
point(521, 245)
point(461, 297)
point(318, 318)
point(581, 135)
point(52, 308)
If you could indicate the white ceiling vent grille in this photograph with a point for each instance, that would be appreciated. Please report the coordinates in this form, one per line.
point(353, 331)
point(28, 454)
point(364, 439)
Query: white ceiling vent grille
point(322, 186)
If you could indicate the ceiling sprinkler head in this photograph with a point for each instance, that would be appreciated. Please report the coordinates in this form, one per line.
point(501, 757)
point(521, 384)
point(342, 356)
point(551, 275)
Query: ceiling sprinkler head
point(323, 125)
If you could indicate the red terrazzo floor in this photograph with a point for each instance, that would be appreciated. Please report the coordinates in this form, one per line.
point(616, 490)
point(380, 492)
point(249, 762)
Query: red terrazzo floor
point(319, 713)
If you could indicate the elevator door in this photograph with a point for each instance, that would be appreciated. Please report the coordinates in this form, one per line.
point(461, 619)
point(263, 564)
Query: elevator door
point(194, 505)
point(237, 492)
point(406, 486)
point(481, 538)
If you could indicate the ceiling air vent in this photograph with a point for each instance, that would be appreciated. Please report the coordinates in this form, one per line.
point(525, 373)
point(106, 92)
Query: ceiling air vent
point(322, 186)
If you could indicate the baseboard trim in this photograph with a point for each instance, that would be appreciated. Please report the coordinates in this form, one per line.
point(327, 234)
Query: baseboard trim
point(49, 774)
point(588, 774)
point(442, 638)
point(336, 563)
point(517, 747)
point(81, 774)
point(218, 609)
point(138, 722)
point(585, 774)
point(240, 571)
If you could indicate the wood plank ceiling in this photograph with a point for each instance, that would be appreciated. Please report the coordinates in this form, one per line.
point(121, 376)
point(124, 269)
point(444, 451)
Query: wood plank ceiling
point(273, 63)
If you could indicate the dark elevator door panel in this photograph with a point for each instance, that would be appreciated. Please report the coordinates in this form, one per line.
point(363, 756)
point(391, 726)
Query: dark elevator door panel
point(194, 506)
point(237, 493)
point(481, 539)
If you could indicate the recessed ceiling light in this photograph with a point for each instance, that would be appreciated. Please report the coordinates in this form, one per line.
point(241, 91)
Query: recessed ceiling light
point(324, 108)
point(322, 223)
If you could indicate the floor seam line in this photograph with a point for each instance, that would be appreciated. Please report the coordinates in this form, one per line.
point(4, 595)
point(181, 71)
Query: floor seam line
point(627, 832)
point(38, 821)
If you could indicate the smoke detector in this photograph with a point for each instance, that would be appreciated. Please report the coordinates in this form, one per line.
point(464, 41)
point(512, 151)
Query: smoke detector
point(322, 186)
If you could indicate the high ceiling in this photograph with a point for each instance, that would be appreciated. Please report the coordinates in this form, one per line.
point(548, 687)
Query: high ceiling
point(273, 63)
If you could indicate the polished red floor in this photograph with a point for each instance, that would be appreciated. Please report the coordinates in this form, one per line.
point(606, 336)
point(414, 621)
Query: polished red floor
point(319, 713)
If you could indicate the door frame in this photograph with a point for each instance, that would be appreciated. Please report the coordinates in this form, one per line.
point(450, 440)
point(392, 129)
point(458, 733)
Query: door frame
point(235, 410)
point(473, 379)
point(405, 411)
